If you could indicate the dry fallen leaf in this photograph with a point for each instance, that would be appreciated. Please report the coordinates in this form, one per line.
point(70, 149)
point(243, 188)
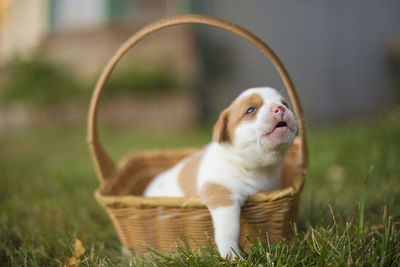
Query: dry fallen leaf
point(79, 250)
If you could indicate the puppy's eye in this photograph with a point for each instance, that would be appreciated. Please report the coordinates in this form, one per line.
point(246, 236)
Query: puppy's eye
point(285, 103)
point(251, 110)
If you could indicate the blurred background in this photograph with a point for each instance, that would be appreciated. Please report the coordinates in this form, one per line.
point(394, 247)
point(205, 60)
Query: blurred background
point(343, 57)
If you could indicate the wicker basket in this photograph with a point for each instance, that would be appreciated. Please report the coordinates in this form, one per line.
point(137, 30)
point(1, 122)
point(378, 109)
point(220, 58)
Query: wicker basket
point(159, 223)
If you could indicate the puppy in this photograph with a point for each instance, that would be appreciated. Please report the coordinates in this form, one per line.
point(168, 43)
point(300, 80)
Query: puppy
point(249, 141)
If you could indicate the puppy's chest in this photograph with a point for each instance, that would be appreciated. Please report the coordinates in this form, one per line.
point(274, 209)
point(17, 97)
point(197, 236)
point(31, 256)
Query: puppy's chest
point(207, 167)
point(263, 180)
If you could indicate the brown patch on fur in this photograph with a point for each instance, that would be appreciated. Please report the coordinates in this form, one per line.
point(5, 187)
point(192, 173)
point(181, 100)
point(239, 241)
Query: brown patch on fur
point(187, 178)
point(215, 195)
point(227, 122)
point(220, 130)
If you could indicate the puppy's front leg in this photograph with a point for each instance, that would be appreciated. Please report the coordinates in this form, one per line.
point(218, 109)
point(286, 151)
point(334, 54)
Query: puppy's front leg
point(226, 221)
point(225, 212)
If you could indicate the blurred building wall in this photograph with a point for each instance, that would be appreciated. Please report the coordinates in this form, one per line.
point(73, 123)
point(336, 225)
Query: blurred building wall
point(26, 24)
point(334, 51)
point(77, 14)
point(22, 26)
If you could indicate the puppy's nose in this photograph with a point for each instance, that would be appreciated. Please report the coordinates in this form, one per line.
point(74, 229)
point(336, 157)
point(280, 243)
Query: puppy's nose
point(278, 110)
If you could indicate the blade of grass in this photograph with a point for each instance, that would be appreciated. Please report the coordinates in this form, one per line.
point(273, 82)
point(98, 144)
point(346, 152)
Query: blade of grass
point(361, 205)
point(385, 240)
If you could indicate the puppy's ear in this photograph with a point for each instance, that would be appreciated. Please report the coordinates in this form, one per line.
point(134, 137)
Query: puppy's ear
point(220, 131)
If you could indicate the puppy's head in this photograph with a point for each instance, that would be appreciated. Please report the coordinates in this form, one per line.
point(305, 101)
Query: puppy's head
point(258, 126)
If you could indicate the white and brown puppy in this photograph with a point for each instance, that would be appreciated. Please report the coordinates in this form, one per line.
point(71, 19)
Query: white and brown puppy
point(250, 139)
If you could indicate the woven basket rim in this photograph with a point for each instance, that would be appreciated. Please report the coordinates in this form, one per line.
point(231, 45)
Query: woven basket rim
point(195, 202)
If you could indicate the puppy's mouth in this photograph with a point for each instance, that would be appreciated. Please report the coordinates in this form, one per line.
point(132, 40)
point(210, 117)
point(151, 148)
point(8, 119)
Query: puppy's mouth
point(281, 124)
point(279, 127)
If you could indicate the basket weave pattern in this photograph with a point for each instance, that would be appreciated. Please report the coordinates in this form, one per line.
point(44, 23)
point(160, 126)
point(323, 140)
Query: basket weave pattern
point(159, 223)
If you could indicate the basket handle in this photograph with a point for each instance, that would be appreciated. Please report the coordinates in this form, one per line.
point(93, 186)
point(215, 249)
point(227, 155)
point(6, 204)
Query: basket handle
point(102, 161)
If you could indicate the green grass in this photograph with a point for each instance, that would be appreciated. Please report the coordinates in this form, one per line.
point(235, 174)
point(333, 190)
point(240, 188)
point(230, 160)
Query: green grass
point(47, 183)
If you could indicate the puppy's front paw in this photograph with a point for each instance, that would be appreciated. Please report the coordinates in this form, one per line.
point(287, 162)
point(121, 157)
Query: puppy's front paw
point(228, 253)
